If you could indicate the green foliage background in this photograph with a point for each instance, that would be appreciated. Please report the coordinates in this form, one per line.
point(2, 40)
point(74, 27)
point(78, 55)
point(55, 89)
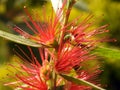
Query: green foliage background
point(107, 12)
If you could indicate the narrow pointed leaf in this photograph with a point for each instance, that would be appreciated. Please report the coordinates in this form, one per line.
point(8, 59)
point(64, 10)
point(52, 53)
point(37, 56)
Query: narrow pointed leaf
point(108, 52)
point(18, 39)
point(56, 4)
point(80, 81)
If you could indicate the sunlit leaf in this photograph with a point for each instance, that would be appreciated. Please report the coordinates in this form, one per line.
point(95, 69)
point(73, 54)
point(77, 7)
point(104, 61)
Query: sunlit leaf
point(56, 4)
point(80, 82)
point(19, 39)
point(108, 52)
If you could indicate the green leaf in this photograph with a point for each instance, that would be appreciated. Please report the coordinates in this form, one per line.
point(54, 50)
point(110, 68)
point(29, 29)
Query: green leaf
point(18, 39)
point(80, 81)
point(110, 53)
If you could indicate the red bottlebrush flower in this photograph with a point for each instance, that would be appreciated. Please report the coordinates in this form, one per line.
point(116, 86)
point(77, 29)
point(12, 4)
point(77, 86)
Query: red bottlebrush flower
point(32, 75)
point(44, 32)
point(70, 57)
point(32, 81)
point(84, 34)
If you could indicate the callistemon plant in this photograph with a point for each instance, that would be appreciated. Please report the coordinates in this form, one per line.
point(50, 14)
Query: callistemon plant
point(64, 48)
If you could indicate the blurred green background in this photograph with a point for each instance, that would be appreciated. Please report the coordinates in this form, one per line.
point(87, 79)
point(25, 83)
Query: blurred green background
point(107, 12)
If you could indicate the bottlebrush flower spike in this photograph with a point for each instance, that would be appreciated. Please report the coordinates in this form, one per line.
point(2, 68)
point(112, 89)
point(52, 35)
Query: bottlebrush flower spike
point(44, 33)
point(84, 34)
point(32, 75)
point(74, 43)
point(69, 57)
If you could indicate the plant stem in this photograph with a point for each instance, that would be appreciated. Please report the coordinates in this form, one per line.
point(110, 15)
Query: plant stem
point(53, 81)
point(55, 78)
point(69, 8)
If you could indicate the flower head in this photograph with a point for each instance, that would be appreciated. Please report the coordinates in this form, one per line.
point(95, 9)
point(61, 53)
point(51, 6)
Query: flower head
point(70, 57)
point(85, 33)
point(32, 75)
point(33, 79)
point(44, 32)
